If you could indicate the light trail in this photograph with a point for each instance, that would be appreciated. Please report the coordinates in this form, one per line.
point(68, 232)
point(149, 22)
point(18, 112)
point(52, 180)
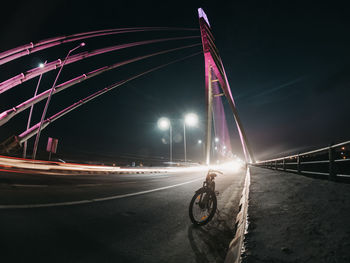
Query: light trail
point(41, 165)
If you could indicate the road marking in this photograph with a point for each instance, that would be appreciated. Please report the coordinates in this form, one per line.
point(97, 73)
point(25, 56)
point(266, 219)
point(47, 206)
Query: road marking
point(29, 185)
point(96, 199)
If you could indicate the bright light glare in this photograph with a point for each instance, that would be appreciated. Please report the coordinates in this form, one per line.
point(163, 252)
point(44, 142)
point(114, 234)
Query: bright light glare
point(191, 119)
point(234, 165)
point(163, 123)
point(41, 65)
point(199, 141)
point(216, 139)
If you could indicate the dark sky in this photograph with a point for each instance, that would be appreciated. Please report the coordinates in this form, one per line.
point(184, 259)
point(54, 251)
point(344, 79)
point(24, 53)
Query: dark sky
point(287, 63)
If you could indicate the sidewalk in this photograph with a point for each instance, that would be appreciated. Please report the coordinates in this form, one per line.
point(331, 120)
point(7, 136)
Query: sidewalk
point(293, 218)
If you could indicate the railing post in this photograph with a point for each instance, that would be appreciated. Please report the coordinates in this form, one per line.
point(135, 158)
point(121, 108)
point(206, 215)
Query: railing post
point(284, 164)
point(332, 173)
point(298, 164)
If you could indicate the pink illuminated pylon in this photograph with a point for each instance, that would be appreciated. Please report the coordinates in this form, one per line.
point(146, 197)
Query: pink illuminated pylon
point(215, 73)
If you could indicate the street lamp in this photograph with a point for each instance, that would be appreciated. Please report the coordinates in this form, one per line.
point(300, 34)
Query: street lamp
point(49, 98)
point(41, 65)
point(191, 119)
point(164, 124)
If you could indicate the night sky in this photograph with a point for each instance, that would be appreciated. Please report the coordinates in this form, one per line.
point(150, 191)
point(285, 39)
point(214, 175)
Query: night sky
point(287, 62)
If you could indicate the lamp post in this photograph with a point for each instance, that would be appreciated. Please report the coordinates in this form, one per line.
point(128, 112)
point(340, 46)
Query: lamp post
point(191, 119)
point(41, 65)
point(164, 124)
point(48, 100)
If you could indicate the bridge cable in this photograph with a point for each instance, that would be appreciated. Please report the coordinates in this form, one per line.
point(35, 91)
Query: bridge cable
point(34, 129)
point(15, 53)
point(6, 115)
point(32, 73)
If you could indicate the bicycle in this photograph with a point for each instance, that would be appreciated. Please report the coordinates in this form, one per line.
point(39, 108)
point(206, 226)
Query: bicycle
point(203, 204)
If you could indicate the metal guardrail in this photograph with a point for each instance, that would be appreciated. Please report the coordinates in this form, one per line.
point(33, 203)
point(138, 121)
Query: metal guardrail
point(332, 162)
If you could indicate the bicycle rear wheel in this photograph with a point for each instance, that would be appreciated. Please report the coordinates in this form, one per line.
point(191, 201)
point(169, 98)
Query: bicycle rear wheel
point(202, 207)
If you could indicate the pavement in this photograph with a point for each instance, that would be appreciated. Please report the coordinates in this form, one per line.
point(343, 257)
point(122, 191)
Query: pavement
point(113, 217)
point(294, 218)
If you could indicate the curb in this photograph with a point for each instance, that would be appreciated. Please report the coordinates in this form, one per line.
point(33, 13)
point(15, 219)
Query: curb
point(236, 246)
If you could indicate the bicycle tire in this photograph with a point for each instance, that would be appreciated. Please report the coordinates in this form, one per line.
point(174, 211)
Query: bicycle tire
point(207, 215)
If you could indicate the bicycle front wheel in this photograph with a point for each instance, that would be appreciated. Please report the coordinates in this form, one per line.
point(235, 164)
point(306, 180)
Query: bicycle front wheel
point(202, 207)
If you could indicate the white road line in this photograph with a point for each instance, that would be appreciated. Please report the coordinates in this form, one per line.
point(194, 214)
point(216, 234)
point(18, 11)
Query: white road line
point(96, 199)
point(29, 185)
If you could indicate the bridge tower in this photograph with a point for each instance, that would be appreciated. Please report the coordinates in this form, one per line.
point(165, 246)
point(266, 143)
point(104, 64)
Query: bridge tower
point(215, 75)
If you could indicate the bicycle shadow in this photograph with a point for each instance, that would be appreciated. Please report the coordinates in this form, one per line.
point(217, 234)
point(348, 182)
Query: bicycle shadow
point(210, 243)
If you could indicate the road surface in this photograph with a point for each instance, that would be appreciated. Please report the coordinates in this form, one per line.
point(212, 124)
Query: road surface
point(112, 218)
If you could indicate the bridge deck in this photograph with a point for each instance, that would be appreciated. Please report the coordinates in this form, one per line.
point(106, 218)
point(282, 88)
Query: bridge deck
point(293, 218)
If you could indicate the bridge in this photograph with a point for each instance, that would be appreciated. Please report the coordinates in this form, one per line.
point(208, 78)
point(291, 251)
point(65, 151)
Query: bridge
point(62, 206)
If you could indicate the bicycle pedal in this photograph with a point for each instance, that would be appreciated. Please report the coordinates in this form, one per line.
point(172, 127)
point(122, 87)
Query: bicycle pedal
point(216, 193)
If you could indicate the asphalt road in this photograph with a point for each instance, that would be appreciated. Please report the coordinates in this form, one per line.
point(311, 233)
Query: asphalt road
point(112, 218)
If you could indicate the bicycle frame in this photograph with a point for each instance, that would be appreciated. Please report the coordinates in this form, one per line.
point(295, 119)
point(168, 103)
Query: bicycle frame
point(205, 199)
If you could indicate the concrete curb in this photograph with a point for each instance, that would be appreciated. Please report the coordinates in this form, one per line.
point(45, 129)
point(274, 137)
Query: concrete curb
point(236, 246)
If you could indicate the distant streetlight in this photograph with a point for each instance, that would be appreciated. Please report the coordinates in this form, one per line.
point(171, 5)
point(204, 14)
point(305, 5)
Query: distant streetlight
point(216, 139)
point(48, 101)
point(191, 119)
point(164, 124)
point(202, 147)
